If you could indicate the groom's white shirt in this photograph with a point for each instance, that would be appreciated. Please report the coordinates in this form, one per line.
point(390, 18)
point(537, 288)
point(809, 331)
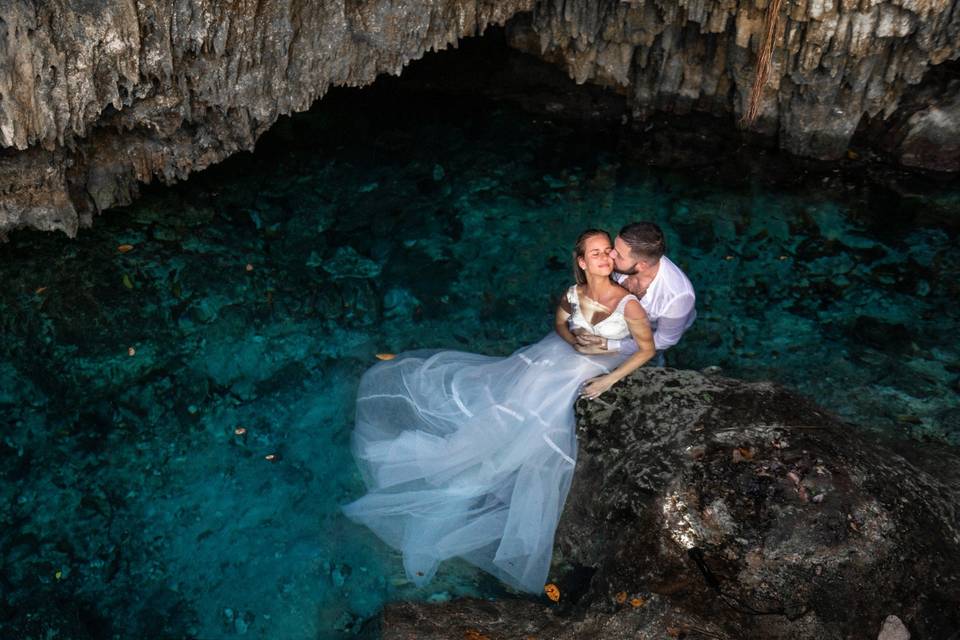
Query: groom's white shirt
point(670, 305)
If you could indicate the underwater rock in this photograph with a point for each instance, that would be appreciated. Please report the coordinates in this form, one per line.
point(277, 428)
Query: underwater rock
point(738, 509)
point(888, 336)
point(399, 303)
point(347, 263)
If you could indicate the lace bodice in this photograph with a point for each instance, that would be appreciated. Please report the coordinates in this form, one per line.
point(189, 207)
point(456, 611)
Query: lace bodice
point(613, 326)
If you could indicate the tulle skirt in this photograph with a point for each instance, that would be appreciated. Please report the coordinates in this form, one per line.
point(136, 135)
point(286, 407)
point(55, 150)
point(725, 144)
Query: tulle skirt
point(471, 456)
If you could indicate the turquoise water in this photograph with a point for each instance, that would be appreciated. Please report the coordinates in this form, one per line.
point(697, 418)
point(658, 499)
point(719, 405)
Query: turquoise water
point(256, 293)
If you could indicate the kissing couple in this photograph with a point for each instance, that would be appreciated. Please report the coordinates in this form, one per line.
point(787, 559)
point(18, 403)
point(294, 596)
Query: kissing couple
point(472, 456)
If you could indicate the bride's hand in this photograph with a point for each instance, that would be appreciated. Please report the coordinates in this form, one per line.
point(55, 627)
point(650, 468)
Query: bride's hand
point(595, 386)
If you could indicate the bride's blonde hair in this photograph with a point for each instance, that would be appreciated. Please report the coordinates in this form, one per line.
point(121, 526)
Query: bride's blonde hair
point(580, 250)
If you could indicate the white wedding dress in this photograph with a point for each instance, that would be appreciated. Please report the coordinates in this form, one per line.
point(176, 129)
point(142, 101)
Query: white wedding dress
point(472, 456)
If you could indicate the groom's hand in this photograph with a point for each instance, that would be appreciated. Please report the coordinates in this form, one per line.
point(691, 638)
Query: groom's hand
point(589, 344)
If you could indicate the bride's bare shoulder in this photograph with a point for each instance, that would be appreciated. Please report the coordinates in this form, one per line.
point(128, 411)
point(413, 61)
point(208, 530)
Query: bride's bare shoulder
point(633, 310)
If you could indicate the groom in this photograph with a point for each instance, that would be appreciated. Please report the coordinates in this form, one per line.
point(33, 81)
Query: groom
point(664, 290)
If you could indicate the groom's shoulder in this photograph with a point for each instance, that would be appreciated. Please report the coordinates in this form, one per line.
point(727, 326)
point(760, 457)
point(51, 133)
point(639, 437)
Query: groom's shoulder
point(673, 266)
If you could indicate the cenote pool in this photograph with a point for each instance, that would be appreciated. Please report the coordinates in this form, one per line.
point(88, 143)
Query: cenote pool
point(176, 413)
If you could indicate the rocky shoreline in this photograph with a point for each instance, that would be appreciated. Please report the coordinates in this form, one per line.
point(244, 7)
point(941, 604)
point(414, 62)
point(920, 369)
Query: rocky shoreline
point(706, 507)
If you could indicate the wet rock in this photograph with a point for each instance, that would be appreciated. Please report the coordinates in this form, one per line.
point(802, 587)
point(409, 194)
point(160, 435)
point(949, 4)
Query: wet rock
point(620, 47)
point(340, 574)
point(399, 303)
point(893, 629)
point(948, 422)
point(928, 136)
point(347, 263)
point(777, 544)
point(360, 304)
point(882, 335)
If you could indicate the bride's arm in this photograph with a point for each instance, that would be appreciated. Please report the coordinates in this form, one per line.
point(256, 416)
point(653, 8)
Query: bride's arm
point(640, 330)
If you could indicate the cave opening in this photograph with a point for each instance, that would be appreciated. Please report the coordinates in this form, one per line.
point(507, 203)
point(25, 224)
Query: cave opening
point(211, 335)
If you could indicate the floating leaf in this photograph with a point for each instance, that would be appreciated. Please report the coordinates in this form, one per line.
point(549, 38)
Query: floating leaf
point(40, 290)
point(125, 248)
point(127, 282)
point(386, 356)
point(131, 351)
point(552, 591)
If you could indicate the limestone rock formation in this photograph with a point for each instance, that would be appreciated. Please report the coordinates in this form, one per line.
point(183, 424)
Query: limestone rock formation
point(708, 507)
point(97, 97)
point(834, 62)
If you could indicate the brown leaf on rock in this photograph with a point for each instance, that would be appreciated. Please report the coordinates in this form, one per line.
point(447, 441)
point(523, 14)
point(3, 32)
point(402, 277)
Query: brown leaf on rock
point(552, 591)
point(621, 597)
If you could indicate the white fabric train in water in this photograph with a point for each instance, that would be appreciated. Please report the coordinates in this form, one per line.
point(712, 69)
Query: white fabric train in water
point(472, 456)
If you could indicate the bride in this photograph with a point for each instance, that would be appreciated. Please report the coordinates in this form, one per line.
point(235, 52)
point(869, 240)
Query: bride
point(472, 456)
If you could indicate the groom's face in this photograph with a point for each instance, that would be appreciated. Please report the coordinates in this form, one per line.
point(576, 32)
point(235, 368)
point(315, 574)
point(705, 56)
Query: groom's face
point(624, 261)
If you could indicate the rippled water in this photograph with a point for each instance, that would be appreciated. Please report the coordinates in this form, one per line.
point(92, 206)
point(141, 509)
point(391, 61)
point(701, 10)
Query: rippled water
point(143, 391)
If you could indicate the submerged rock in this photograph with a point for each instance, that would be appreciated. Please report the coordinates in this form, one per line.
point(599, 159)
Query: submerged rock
point(347, 263)
point(733, 510)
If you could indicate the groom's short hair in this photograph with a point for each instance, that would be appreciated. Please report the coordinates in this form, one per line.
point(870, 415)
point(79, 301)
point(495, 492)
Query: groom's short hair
point(645, 240)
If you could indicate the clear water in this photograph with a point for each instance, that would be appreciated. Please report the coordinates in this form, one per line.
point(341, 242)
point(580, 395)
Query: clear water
point(256, 294)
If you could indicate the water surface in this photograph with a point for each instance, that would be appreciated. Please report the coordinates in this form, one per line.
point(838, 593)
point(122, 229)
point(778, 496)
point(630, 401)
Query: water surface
point(143, 392)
